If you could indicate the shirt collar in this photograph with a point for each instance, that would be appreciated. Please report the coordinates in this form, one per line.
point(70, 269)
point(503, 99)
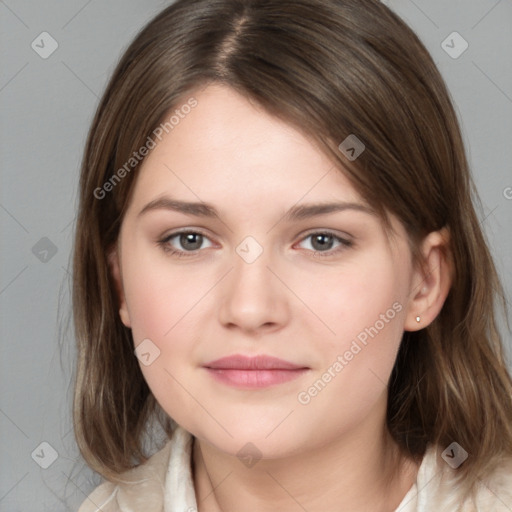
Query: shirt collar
point(179, 493)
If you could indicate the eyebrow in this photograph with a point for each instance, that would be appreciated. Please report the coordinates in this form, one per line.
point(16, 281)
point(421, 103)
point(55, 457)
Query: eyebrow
point(295, 213)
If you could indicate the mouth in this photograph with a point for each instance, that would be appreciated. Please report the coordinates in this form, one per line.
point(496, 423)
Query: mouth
point(253, 372)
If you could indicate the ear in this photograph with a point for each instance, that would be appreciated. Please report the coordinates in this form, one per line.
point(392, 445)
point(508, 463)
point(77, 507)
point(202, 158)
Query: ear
point(431, 281)
point(114, 264)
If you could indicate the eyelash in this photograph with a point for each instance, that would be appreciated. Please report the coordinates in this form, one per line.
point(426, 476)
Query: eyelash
point(345, 244)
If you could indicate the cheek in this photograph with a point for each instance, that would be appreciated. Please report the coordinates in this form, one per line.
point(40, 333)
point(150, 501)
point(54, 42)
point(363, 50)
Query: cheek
point(159, 295)
point(364, 306)
point(169, 303)
point(368, 293)
point(162, 301)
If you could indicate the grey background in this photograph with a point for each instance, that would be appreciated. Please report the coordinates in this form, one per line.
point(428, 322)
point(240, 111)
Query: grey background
point(47, 106)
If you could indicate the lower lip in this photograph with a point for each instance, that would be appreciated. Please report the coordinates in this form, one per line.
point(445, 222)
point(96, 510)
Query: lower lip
point(253, 379)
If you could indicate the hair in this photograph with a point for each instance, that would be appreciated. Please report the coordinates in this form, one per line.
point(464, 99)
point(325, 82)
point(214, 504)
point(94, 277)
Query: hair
point(330, 68)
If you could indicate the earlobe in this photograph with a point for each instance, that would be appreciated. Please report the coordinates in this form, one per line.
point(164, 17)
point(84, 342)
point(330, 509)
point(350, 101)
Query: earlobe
point(115, 270)
point(431, 281)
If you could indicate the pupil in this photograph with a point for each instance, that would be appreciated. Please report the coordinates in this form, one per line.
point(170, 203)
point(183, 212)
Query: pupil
point(188, 238)
point(324, 241)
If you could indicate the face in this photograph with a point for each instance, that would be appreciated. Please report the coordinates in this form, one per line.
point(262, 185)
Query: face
point(325, 291)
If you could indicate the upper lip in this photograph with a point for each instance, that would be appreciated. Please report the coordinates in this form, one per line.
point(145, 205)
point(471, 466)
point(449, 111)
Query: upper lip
point(260, 362)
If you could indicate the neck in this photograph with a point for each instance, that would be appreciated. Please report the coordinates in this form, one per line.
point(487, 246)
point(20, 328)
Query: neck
point(359, 471)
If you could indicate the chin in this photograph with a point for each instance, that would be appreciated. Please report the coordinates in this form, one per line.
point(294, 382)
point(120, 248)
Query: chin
point(250, 440)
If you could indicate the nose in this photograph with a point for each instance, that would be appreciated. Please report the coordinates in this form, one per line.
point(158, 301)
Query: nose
point(253, 298)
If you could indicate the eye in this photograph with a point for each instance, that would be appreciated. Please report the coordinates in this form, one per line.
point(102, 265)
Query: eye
point(190, 241)
point(322, 243)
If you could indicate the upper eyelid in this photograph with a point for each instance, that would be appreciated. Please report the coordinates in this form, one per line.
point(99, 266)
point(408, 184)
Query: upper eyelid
point(184, 231)
point(334, 233)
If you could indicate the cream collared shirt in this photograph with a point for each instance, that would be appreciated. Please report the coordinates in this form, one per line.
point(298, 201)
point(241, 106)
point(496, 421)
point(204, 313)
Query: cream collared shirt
point(165, 484)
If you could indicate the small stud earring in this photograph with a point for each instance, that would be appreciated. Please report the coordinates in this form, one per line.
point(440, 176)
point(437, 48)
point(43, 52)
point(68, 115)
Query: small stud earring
point(418, 319)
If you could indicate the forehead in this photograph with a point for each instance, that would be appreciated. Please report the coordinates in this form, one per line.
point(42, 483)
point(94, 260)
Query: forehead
point(228, 148)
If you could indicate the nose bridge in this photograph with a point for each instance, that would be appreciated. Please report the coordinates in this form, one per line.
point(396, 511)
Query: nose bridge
point(253, 296)
point(251, 264)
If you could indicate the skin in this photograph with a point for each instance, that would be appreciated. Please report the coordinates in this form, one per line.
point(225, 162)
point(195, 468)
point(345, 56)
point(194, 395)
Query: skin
point(334, 452)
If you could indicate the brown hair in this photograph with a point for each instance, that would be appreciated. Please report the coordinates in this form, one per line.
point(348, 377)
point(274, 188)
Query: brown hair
point(331, 68)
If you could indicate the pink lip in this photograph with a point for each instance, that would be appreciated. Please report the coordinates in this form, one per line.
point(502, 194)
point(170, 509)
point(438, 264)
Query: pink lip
point(253, 372)
point(262, 362)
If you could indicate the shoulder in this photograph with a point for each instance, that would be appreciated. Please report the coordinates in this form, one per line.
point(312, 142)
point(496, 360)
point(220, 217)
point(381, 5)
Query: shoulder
point(140, 488)
point(438, 487)
point(494, 492)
